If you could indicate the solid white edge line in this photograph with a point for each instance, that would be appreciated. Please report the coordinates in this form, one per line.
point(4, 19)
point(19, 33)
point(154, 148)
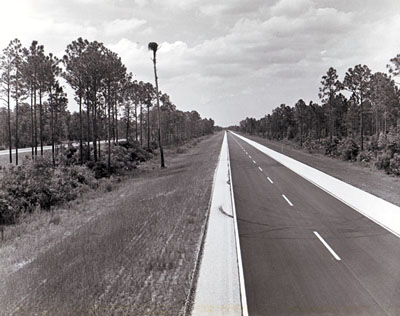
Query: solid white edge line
point(260, 169)
point(287, 200)
point(333, 253)
point(269, 179)
point(245, 311)
point(327, 191)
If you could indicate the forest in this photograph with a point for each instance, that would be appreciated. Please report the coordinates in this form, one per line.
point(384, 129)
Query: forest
point(112, 104)
point(121, 123)
point(358, 118)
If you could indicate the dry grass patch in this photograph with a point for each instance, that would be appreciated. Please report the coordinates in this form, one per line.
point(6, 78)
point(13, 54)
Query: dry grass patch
point(128, 252)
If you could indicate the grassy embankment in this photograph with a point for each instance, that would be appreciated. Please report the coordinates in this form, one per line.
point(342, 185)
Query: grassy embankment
point(130, 251)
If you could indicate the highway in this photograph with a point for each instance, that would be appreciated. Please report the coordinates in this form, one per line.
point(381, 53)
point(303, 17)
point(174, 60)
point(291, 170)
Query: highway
point(26, 152)
point(305, 252)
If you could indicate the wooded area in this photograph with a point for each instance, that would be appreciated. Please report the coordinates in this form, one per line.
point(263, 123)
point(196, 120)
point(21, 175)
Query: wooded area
point(358, 118)
point(112, 104)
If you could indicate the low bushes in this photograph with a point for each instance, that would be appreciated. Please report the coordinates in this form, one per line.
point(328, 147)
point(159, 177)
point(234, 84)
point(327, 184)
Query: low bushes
point(348, 149)
point(40, 185)
point(394, 164)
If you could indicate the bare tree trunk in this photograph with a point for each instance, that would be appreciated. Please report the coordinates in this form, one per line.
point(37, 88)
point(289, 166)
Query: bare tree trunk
point(16, 121)
point(136, 123)
point(361, 123)
point(158, 111)
point(141, 124)
point(9, 123)
point(32, 127)
point(35, 120)
point(80, 130)
point(94, 136)
point(40, 121)
point(127, 122)
point(148, 127)
point(109, 130)
point(116, 117)
point(88, 124)
point(52, 130)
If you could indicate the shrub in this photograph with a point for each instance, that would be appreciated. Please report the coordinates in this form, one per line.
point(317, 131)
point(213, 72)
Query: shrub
point(8, 213)
point(383, 161)
point(365, 156)
point(382, 139)
point(331, 147)
point(38, 184)
point(395, 164)
point(313, 145)
point(373, 144)
point(181, 150)
point(99, 168)
point(393, 140)
point(348, 149)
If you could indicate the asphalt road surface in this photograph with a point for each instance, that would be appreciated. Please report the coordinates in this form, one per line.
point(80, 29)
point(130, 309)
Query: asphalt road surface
point(305, 252)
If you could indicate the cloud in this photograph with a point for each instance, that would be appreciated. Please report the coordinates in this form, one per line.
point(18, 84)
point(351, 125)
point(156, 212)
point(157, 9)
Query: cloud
point(122, 26)
point(291, 7)
point(216, 55)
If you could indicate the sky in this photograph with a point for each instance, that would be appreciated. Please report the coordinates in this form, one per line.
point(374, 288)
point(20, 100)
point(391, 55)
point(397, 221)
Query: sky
point(226, 59)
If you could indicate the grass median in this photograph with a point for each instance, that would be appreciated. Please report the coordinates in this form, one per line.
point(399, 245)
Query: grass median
point(126, 252)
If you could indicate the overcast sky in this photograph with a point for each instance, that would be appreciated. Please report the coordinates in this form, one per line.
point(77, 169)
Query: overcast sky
point(227, 59)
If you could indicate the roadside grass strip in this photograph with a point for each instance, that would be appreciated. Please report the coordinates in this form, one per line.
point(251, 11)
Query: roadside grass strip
point(376, 209)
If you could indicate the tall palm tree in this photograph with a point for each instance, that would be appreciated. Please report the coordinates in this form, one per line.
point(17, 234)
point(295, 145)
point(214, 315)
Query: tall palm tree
point(153, 46)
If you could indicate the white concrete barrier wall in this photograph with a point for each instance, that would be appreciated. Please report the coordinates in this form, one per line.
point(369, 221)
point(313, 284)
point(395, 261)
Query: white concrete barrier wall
point(378, 210)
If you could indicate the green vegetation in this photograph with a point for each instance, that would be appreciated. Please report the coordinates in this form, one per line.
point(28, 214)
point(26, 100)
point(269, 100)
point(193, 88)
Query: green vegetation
point(37, 184)
point(358, 119)
point(112, 105)
point(130, 251)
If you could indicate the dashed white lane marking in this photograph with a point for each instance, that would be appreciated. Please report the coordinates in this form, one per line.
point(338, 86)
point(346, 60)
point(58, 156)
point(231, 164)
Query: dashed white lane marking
point(269, 179)
point(260, 169)
point(249, 156)
point(333, 253)
point(287, 200)
point(254, 162)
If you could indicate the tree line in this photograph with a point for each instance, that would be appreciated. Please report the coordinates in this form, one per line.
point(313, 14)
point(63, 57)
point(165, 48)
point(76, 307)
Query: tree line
point(112, 104)
point(361, 111)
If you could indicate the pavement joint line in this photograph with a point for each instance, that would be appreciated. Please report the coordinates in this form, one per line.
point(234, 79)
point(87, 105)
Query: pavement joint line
point(260, 169)
point(269, 179)
point(333, 253)
point(287, 200)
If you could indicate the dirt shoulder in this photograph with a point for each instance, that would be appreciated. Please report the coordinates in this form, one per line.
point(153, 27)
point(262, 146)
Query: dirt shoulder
point(364, 177)
point(130, 251)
